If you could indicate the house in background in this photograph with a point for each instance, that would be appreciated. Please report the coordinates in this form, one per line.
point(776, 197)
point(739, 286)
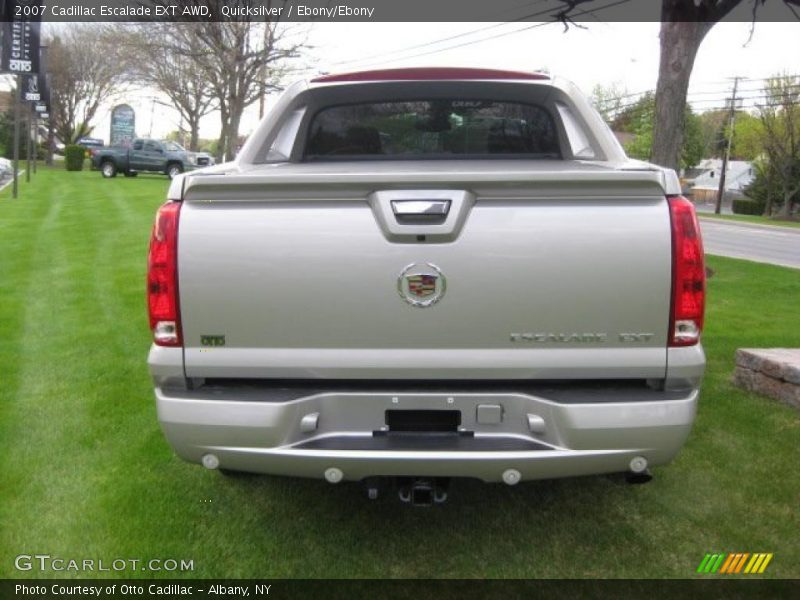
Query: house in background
point(702, 181)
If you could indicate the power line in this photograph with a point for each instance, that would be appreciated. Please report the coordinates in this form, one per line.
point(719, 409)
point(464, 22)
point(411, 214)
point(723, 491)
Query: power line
point(452, 37)
point(604, 103)
point(728, 144)
point(617, 111)
point(499, 35)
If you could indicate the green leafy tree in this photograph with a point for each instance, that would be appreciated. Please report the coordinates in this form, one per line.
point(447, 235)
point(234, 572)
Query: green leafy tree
point(609, 100)
point(639, 120)
point(748, 137)
point(684, 25)
point(712, 127)
point(780, 118)
point(764, 189)
point(6, 133)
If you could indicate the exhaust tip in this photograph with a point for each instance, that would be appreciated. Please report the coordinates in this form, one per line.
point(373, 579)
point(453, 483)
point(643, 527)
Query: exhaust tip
point(511, 477)
point(333, 475)
point(638, 464)
point(210, 461)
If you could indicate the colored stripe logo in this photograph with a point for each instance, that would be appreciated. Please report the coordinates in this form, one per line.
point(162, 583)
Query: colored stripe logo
point(733, 563)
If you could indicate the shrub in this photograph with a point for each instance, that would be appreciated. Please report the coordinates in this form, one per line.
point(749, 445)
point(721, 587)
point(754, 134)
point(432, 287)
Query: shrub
point(745, 206)
point(73, 157)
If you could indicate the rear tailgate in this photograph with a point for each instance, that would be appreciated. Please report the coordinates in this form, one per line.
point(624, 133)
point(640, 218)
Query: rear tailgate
point(541, 269)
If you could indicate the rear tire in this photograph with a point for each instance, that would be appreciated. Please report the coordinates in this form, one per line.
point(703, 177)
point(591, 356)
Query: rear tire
point(173, 170)
point(108, 169)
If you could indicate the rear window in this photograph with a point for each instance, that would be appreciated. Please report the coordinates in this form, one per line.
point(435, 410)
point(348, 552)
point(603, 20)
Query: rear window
point(441, 128)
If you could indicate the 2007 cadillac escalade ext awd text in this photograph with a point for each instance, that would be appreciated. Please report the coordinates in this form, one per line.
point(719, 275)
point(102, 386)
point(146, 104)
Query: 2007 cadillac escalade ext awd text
point(423, 274)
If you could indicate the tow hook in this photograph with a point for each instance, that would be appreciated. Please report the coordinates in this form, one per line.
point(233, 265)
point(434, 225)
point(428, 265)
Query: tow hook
point(423, 491)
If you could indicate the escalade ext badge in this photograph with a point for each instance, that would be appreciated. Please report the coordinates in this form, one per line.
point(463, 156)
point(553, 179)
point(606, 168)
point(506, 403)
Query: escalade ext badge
point(421, 285)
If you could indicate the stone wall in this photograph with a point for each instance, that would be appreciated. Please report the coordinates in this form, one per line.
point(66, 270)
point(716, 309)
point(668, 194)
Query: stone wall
point(774, 372)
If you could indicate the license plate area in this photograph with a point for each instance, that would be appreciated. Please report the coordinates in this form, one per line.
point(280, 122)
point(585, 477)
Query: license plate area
point(423, 421)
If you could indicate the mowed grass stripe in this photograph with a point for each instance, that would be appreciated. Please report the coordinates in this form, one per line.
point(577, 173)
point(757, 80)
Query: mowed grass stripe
point(19, 222)
point(70, 356)
point(89, 474)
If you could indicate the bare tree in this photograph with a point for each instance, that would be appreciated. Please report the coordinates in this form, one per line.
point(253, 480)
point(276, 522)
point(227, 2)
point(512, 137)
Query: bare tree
point(684, 25)
point(171, 67)
point(243, 61)
point(780, 115)
point(84, 74)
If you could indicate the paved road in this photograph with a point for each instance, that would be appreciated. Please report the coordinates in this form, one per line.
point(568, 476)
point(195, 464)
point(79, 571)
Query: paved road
point(759, 243)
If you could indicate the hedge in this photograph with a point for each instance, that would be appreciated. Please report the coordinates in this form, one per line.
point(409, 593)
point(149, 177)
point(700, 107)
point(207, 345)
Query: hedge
point(73, 157)
point(745, 206)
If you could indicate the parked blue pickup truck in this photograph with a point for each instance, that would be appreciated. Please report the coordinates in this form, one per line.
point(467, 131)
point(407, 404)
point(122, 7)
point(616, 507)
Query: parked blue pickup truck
point(153, 156)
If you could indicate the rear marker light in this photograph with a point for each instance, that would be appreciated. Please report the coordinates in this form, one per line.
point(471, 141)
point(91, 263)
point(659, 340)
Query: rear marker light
point(688, 274)
point(162, 277)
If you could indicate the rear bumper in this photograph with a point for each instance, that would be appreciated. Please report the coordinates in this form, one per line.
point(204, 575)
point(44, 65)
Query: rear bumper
point(581, 430)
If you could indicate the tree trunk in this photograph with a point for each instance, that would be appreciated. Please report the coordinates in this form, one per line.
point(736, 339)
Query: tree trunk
point(51, 142)
point(680, 41)
point(786, 209)
point(769, 202)
point(233, 132)
point(768, 205)
point(223, 134)
point(194, 133)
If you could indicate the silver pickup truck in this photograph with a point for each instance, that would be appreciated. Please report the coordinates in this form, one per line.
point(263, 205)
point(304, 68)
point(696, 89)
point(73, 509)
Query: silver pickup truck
point(423, 274)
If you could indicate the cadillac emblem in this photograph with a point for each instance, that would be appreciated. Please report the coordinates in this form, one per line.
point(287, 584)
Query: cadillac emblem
point(421, 284)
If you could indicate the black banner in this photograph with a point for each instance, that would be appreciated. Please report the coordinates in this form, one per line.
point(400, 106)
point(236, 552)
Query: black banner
point(21, 50)
point(34, 88)
point(444, 589)
point(565, 11)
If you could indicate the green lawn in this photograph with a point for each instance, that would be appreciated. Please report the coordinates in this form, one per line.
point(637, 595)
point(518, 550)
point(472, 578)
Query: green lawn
point(86, 473)
point(752, 219)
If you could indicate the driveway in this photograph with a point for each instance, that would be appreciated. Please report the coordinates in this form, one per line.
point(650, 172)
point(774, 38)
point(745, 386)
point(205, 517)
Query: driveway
point(759, 243)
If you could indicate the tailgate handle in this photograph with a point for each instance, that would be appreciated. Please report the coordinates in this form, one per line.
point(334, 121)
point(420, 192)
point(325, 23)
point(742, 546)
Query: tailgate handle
point(415, 212)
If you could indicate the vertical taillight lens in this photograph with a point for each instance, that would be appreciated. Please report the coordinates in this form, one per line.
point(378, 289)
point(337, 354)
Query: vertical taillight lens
point(162, 277)
point(688, 274)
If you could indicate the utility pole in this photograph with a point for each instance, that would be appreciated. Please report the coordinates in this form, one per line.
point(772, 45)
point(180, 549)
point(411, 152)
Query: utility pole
point(17, 118)
point(35, 139)
point(28, 151)
point(726, 158)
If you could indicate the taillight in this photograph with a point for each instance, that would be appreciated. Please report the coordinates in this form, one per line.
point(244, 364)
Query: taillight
point(162, 277)
point(688, 274)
